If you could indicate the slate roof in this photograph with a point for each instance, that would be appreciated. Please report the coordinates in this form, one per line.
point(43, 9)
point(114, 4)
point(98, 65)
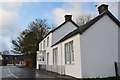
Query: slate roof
point(86, 26)
point(60, 26)
point(64, 23)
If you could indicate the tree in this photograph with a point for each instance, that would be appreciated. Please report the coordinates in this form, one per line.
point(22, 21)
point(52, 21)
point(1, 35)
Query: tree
point(6, 52)
point(28, 41)
point(81, 20)
point(0, 53)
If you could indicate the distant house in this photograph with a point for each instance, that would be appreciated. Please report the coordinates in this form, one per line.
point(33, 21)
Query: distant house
point(14, 59)
point(89, 51)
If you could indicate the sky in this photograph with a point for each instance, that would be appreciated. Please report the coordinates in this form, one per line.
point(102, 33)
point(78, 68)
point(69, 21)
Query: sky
point(15, 15)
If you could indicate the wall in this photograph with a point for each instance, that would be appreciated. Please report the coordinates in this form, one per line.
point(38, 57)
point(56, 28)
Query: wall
point(119, 51)
point(63, 68)
point(54, 37)
point(73, 69)
point(99, 49)
point(47, 50)
point(119, 45)
point(56, 67)
point(0, 60)
point(62, 31)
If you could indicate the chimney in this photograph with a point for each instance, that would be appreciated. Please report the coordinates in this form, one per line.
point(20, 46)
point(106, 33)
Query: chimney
point(68, 17)
point(102, 8)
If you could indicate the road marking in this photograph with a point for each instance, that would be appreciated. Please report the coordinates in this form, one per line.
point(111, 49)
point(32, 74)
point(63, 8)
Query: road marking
point(11, 73)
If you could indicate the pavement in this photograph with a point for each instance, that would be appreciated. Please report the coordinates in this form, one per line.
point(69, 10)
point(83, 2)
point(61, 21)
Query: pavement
point(11, 72)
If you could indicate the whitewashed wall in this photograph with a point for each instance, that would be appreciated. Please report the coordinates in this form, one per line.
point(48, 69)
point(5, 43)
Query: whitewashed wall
point(59, 67)
point(73, 69)
point(68, 69)
point(99, 49)
point(53, 38)
point(59, 53)
point(62, 31)
point(1, 60)
point(47, 50)
point(119, 45)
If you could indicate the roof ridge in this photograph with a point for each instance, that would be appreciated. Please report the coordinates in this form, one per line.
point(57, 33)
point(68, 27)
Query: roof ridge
point(84, 27)
point(60, 26)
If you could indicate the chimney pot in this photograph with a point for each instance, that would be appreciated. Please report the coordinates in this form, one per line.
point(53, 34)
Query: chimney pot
point(102, 8)
point(68, 17)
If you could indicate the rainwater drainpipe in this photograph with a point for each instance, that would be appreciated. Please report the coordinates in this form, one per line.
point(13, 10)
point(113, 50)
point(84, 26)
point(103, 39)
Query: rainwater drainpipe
point(116, 70)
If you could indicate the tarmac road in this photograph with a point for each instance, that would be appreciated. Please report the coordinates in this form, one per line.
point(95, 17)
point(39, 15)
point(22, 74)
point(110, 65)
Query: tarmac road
point(11, 72)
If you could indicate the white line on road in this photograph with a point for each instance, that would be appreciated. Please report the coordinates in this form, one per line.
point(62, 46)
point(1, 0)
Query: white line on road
point(11, 73)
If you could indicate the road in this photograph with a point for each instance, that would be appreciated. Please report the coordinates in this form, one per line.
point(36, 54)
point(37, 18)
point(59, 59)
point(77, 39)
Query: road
point(11, 72)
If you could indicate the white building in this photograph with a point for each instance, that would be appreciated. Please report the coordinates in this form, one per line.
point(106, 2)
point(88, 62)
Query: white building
point(85, 52)
point(1, 60)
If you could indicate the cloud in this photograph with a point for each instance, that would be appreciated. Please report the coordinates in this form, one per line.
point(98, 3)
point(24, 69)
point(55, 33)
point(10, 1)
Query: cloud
point(91, 0)
point(9, 13)
point(119, 10)
point(29, 1)
point(59, 0)
point(7, 18)
point(106, 0)
point(80, 8)
point(113, 7)
point(5, 38)
point(75, 9)
point(58, 14)
point(5, 44)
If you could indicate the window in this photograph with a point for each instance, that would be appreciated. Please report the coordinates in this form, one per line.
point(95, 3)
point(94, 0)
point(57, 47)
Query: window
point(47, 41)
point(41, 56)
point(69, 53)
point(44, 44)
point(47, 58)
point(55, 55)
point(41, 46)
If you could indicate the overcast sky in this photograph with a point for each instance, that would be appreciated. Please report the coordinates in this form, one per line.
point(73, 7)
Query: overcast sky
point(16, 15)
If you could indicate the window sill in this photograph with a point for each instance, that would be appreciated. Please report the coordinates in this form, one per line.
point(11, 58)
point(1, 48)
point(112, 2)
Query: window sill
point(70, 64)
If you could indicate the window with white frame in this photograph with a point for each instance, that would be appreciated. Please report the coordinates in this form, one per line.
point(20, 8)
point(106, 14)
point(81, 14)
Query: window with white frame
point(55, 56)
point(47, 41)
point(41, 46)
point(41, 57)
point(69, 53)
point(48, 58)
point(44, 44)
